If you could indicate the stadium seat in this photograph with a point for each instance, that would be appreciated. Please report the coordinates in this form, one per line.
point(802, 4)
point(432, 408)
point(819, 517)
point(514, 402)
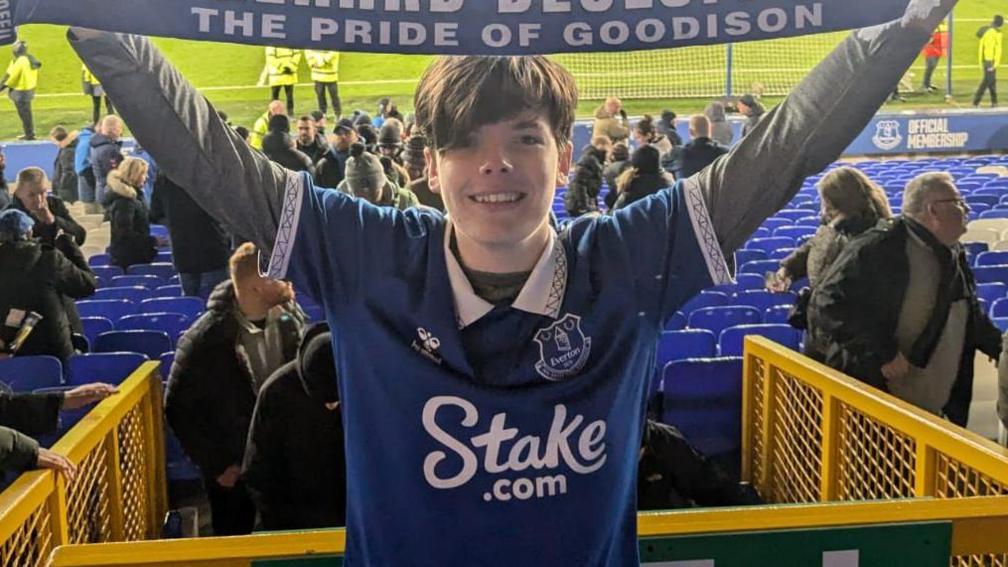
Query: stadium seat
point(991, 292)
point(781, 253)
point(759, 267)
point(999, 308)
point(749, 281)
point(136, 294)
point(100, 260)
point(772, 224)
point(676, 321)
point(749, 255)
point(704, 299)
point(687, 343)
point(163, 270)
point(189, 306)
point(1001, 322)
point(163, 256)
point(703, 398)
point(109, 367)
point(974, 249)
point(994, 214)
point(166, 359)
point(762, 299)
point(168, 291)
point(777, 315)
point(991, 258)
point(159, 231)
point(990, 274)
point(111, 309)
point(174, 324)
point(94, 326)
point(717, 319)
point(149, 282)
point(150, 343)
point(791, 214)
point(794, 232)
point(107, 272)
point(731, 341)
point(27, 373)
point(768, 245)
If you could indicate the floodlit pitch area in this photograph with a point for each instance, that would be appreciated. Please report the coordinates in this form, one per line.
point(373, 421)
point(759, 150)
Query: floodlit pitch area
point(683, 81)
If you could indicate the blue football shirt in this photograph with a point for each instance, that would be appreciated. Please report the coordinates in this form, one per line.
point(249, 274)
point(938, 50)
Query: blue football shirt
point(483, 435)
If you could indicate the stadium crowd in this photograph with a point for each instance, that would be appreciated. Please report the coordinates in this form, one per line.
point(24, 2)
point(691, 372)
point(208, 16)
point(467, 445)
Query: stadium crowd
point(254, 395)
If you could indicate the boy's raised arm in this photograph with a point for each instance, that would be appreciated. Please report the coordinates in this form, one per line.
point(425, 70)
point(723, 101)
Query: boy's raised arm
point(236, 185)
point(816, 122)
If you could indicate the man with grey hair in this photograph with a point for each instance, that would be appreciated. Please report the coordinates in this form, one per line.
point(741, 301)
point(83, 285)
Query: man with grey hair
point(898, 308)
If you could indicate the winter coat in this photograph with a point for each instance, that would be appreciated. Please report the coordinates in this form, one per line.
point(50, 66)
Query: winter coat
point(315, 150)
point(64, 180)
point(330, 170)
point(815, 256)
point(583, 191)
point(82, 153)
point(696, 155)
point(64, 221)
point(211, 389)
point(22, 415)
point(126, 212)
point(753, 118)
point(37, 277)
point(642, 186)
point(672, 474)
point(854, 313)
point(721, 130)
point(105, 156)
point(276, 146)
point(294, 467)
point(424, 195)
point(199, 244)
point(616, 128)
point(610, 173)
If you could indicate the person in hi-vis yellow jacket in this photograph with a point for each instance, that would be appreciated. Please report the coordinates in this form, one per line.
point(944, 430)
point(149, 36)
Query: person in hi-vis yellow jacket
point(21, 78)
point(282, 69)
point(93, 89)
point(991, 42)
point(325, 72)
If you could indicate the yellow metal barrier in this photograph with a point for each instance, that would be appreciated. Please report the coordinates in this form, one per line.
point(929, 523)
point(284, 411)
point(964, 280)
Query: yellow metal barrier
point(827, 450)
point(119, 493)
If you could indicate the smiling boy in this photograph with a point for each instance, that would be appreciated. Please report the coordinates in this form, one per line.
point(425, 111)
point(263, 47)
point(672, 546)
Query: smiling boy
point(494, 372)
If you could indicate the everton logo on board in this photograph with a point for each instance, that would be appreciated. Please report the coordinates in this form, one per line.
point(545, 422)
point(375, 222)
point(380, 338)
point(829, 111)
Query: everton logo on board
point(887, 135)
point(563, 348)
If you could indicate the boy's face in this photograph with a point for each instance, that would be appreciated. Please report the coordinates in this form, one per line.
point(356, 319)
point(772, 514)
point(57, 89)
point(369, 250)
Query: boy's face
point(498, 186)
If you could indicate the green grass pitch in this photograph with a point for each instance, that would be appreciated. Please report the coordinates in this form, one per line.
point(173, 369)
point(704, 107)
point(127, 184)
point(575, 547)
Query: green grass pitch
point(227, 74)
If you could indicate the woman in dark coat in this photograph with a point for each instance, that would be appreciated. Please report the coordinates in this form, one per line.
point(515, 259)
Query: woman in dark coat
point(644, 177)
point(64, 181)
point(126, 211)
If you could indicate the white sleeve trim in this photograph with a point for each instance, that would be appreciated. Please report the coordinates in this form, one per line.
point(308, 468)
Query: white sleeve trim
point(706, 238)
point(290, 216)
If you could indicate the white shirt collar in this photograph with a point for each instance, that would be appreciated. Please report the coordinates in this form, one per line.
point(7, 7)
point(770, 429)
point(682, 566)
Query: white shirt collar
point(542, 293)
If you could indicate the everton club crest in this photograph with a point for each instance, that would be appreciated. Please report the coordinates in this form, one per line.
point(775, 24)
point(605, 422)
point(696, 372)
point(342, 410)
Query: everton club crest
point(563, 348)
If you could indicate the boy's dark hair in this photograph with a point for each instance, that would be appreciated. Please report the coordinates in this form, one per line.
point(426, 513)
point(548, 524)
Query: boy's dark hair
point(458, 95)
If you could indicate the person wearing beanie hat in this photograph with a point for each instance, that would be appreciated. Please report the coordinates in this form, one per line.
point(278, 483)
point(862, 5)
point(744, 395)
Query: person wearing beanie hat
point(390, 140)
point(369, 137)
point(365, 178)
point(280, 147)
point(294, 462)
point(666, 126)
point(644, 177)
point(330, 169)
point(15, 225)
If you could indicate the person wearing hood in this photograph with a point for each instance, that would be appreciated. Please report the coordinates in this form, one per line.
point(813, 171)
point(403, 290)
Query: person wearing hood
point(281, 148)
point(753, 110)
point(721, 130)
point(294, 464)
point(127, 214)
point(666, 126)
point(251, 327)
point(106, 152)
point(390, 142)
point(619, 161)
point(366, 179)
point(991, 45)
point(84, 171)
point(644, 177)
point(21, 78)
point(37, 276)
point(611, 121)
point(583, 190)
point(64, 174)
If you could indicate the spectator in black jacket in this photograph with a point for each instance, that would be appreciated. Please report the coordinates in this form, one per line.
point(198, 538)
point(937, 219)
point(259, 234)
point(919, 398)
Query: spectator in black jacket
point(644, 177)
point(281, 148)
point(251, 327)
point(4, 194)
point(64, 175)
point(672, 474)
point(200, 247)
point(331, 168)
point(36, 277)
point(583, 190)
point(619, 161)
point(31, 196)
point(700, 152)
point(294, 463)
point(126, 211)
point(310, 141)
point(24, 415)
point(106, 152)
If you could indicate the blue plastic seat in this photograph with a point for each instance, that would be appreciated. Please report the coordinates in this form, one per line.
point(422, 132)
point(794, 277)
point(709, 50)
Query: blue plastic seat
point(100, 260)
point(1001, 322)
point(759, 267)
point(703, 398)
point(999, 308)
point(163, 270)
point(149, 282)
point(992, 258)
point(676, 321)
point(150, 343)
point(731, 341)
point(794, 232)
point(192, 307)
point(111, 309)
point(791, 214)
point(991, 292)
point(745, 282)
point(749, 255)
point(776, 315)
point(768, 245)
point(136, 294)
point(107, 272)
point(168, 291)
point(994, 214)
point(166, 359)
point(991, 274)
point(687, 343)
point(164, 256)
point(762, 299)
point(174, 324)
point(772, 224)
point(780, 253)
point(108, 367)
point(94, 326)
point(717, 319)
point(704, 299)
point(27, 373)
